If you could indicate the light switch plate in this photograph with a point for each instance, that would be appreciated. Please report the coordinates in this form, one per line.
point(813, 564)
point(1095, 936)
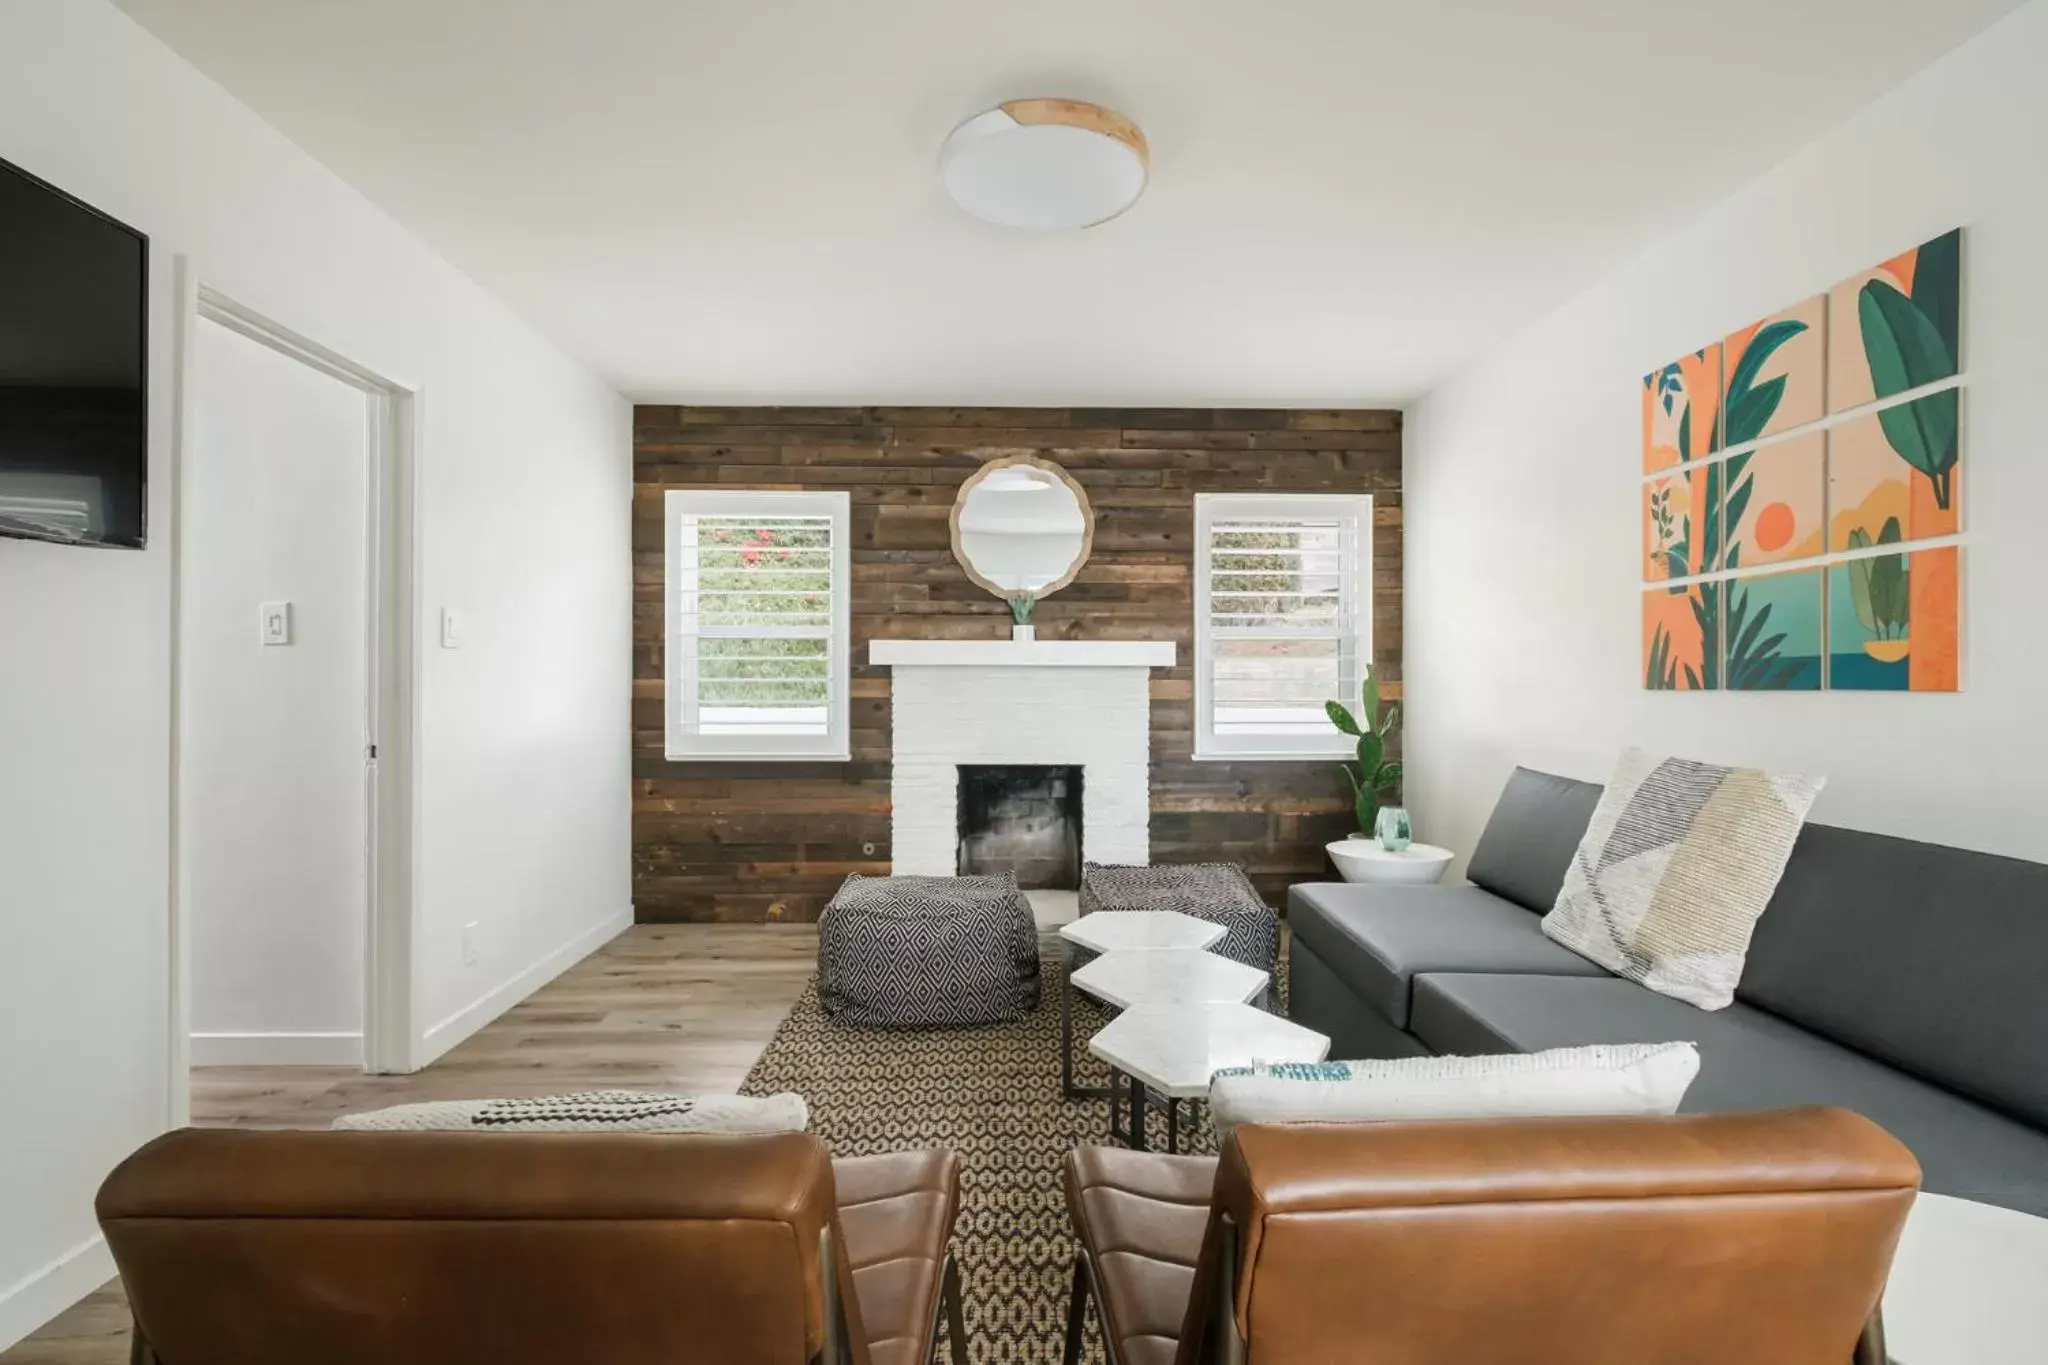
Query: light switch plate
point(276, 618)
point(451, 629)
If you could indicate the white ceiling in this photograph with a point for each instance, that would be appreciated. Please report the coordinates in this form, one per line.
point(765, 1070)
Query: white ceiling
point(1350, 198)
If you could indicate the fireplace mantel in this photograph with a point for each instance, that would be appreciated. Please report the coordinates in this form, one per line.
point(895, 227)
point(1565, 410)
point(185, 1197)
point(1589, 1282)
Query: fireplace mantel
point(1023, 653)
point(1061, 703)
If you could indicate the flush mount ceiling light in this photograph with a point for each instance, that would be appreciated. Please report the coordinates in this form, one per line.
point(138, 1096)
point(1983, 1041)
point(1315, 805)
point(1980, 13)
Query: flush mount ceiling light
point(1046, 165)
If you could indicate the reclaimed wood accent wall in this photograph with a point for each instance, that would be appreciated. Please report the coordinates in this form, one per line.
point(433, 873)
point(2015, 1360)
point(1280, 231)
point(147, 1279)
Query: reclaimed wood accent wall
point(753, 841)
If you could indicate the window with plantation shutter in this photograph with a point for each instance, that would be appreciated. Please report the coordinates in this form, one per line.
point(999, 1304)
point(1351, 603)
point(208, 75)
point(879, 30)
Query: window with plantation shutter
point(1283, 620)
point(757, 588)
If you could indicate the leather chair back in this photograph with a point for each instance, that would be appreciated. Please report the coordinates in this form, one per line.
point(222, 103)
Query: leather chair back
point(322, 1248)
point(1760, 1238)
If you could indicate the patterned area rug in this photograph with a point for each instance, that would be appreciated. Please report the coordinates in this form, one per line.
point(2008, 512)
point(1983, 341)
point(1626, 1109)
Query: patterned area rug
point(992, 1095)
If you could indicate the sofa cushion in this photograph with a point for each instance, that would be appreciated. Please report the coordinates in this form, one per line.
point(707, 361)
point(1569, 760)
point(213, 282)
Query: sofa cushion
point(1378, 938)
point(1925, 956)
point(1748, 1060)
point(1531, 836)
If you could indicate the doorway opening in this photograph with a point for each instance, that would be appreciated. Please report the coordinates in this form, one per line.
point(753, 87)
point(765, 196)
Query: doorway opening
point(293, 703)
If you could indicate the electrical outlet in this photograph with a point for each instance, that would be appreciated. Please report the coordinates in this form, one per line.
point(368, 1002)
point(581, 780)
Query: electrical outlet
point(451, 629)
point(276, 622)
point(469, 943)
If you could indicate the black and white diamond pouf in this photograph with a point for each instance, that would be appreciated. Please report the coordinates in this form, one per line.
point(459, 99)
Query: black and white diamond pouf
point(1217, 892)
point(927, 952)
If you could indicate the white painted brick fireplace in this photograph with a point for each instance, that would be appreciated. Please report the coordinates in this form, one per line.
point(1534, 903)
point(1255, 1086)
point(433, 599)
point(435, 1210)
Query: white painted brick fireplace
point(1080, 702)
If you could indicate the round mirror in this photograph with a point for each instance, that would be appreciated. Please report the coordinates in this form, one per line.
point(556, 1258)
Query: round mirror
point(1022, 527)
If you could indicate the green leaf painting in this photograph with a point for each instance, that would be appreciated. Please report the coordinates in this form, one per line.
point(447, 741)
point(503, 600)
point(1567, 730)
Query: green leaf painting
point(1923, 432)
point(1682, 410)
point(1883, 347)
point(1752, 405)
point(1938, 289)
point(1660, 673)
point(1901, 343)
point(1774, 632)
point(1907, 312)
point(1878, 584)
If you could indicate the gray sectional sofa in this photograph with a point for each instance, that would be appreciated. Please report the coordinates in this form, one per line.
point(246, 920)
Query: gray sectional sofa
point(1906, 981)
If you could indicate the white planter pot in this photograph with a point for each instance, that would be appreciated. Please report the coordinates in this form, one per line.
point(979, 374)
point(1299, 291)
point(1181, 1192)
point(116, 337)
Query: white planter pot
point(1023, 633)
point(1363, 860)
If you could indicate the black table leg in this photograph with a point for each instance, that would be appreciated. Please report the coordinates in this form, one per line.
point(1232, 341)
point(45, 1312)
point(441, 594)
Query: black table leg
point(1173, 1124)
point(1067, 1086)
point(1140, 1140)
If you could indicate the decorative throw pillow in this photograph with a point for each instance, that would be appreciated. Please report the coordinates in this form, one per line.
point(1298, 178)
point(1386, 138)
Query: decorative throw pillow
point(596, 1111)
point(1676, 867)
point(1632, 1078)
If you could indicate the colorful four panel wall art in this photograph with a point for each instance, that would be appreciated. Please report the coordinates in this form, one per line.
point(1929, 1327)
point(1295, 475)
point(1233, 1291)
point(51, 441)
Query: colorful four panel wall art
point(1780, 465)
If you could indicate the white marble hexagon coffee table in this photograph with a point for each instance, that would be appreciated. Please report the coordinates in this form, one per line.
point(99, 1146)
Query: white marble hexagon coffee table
point(1106, 931)
point(1169, 976)
point(1110, 931)
point(1173, 1050)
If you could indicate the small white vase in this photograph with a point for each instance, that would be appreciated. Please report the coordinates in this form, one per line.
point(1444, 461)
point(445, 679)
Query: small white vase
point(1023, 633)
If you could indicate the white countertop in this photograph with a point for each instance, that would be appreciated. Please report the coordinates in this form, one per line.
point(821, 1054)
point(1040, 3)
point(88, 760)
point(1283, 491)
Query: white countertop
point(1023, 653)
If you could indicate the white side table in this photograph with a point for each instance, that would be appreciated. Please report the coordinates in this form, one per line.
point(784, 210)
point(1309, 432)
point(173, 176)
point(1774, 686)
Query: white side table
point(1967, 1286)
point(1363, 860)
point(1109, 931)
point(1175, 1049)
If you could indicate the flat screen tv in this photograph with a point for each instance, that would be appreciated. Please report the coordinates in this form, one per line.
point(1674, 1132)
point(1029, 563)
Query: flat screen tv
point(74, 340)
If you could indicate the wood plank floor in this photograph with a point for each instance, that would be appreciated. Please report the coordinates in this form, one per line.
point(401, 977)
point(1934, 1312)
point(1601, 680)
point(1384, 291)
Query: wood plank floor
point(663, 1006)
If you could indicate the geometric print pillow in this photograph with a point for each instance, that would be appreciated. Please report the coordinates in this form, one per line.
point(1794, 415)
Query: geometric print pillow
point(1676, 868)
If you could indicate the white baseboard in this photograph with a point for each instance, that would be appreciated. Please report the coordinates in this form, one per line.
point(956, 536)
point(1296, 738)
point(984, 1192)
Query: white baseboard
point(34, 1299)
point(466, 1021)
point(277, 1049)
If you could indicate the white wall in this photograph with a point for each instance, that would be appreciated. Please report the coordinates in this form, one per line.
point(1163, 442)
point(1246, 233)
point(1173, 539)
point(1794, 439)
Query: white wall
point(524, 506)
point(1522, 486)
point(272, 823)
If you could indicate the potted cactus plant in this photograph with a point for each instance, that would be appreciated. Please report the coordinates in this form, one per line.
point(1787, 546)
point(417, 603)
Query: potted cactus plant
point(1372, 776)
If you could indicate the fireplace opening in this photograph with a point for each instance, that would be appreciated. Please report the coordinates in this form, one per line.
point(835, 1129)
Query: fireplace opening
point(1021, 819)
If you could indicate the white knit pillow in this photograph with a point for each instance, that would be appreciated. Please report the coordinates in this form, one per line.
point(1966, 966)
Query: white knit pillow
point(1676, 867)
point(1629, 1078)
point(596, 1111)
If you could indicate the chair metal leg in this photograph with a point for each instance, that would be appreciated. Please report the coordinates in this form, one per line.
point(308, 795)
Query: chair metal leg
point(836, 1349)
point(1077, 1311)
point(1870, 1345)
point(956, 1320)
point(140, 1352)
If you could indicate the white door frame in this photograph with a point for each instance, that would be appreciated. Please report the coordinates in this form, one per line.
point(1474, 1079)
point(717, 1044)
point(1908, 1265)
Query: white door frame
point(389, 1032)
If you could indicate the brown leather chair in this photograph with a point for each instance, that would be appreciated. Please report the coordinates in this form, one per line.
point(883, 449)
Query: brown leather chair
point(320, 1248)
point(1763, 1239)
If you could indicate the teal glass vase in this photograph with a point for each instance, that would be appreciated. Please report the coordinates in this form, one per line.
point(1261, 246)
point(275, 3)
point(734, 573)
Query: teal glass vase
point(1392, 829)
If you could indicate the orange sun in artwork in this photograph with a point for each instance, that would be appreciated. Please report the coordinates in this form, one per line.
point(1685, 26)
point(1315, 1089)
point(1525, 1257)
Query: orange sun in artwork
point(1774, 527)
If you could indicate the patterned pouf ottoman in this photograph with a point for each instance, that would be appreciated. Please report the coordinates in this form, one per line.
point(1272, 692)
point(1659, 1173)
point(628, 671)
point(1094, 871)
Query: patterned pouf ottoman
point(1217, 892)
point(927, 952)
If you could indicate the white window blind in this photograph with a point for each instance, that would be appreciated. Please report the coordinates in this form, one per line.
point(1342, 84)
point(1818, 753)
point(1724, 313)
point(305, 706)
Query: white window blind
point(757, 606)
point(1283, 620)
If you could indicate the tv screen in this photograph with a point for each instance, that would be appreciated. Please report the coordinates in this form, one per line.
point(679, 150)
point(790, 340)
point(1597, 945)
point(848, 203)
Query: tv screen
point(73, 348)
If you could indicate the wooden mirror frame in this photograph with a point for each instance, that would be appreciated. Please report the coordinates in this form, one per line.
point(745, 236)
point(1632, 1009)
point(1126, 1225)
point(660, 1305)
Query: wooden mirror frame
point(1087, 526)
